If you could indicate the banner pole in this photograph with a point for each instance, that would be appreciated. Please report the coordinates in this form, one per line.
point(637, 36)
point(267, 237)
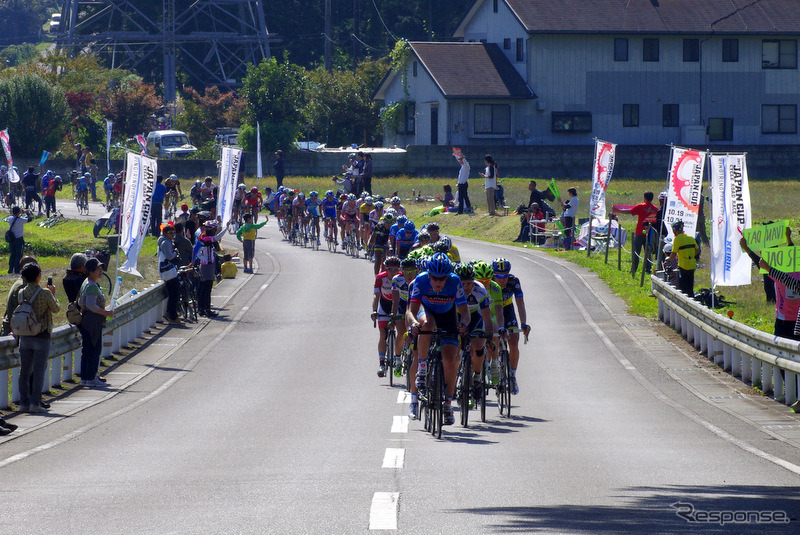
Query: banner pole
point(589, 242)
point(659, 250)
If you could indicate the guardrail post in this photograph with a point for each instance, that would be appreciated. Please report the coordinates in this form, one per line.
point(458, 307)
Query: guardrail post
point(4, 394)
point(747, 368)
point(766, 377)
point(727, 361)
point(790, 388)
point(15, 384)
point(55, 372)
point(108, 342)
point(777, 383)
point(66, 366)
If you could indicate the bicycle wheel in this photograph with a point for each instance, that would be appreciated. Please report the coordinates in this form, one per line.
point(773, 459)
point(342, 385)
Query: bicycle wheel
point(504, 390)
point(466, 386)
point(389, 359)
point(408, 358)
point(482, 400)
point(438, 399)
point(108, 280)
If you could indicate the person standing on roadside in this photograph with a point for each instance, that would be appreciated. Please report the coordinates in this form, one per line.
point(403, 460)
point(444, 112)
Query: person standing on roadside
point(157, 210)
point(570, 207)
point(85, 160)
point(463, 185)
point(17, 227)
point(366, 174)
point(167, 260)
point(92, 303)
point(34, 350)
point(644, 211)
point(490, 182)
point(183, 246)
point(13, 295)
point(76, 274)
point(686, 248)
point(279, 167)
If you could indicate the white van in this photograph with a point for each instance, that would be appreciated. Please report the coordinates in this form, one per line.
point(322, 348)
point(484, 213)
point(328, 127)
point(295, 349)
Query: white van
point(169, 144)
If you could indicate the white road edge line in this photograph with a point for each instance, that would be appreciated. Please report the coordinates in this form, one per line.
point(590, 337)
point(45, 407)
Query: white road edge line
point(654, 390)
point(383, 511)
point(400, 424)
point(394, 458)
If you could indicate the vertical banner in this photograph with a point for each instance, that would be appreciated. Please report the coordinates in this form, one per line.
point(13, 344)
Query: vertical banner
point(730, 197)
point(684, 188)
point(604, 154)
point(109, 126)
point(140, 181)
point(259, 168)
point(13, 176)
point(45, 156)
point(228, 177)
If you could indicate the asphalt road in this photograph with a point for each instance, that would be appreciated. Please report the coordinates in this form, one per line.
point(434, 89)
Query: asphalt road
point(271, 419)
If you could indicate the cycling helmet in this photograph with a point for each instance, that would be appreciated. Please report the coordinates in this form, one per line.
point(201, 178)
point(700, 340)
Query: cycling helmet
point(351, 197)
point(110, 175)
point(401, 220)
point(254, 189)
point(483, 270)
point(379, 205)
point(173, 177)
point(392, 261)
point(364, 194)
point(501, 265)
point(329, 193)
point(392, 211)
point(301, 195)
point(184, 207)
point(87, 175)
point(677, 226)
point(440, 247)
point(369, 200)
point(433, 225)
point(314, 194)
point(198, 183)
point(439, 265)
point(388, 216)
point(662, 196)
point(57, 178)
point(4, 167)
point(210, 224)
point(353, 156)
point(423, 236)
point(209, 179)
point(409, 226)
point(242, 186)
point(667, 248)
point(446, 241)
point(395, 200)
point(408, 263)
point(465, 271)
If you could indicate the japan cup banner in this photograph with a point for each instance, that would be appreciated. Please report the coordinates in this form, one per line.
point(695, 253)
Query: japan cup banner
point(140, 181)
point(730, 197)
point(604, 154)
point(13, 176)
point(685, 187)
point(228, 177)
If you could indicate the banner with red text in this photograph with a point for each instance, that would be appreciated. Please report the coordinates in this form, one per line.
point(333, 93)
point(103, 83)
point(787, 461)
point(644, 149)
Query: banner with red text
point(730, 198)
point(604, 153)
point(685, 186)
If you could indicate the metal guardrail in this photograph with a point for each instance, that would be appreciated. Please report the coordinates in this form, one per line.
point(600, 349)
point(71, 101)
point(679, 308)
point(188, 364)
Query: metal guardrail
point(759, 359)
point(131, 319)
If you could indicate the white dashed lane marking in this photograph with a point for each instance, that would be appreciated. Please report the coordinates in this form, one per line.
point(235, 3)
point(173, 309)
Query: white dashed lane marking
point(383, 512)
point(404, 397)
point(400, 424)
point(394, 458)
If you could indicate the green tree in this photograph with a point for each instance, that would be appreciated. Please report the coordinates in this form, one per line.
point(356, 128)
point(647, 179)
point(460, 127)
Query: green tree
point(203, 114)
point(275, 93)
point(34, 112)
point(22, 20)
point(130, 105)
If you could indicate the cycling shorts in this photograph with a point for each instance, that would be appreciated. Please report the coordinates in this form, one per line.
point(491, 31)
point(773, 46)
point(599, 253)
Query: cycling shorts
point(510, 317)
point(348, 217)
point(384, 311)
point(445, 321)
point(476, 323)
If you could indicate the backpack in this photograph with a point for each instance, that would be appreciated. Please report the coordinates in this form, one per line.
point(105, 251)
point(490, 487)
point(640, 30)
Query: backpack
point(9, 235)
point(74, 313)
point(24, 321)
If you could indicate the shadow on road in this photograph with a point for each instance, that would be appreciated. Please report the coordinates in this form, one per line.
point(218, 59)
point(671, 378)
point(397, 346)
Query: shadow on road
point(669, 509)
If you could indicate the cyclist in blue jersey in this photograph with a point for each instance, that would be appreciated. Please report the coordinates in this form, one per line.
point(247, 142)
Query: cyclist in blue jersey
point(312, 207)
point(404, 239)
point(437, 301)
point(329, 214)
point(511, 292)
point(399, 223)
point(108, 187)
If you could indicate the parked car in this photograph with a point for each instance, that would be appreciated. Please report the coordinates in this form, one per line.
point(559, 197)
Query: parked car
point(309, 145)
point(169, 144)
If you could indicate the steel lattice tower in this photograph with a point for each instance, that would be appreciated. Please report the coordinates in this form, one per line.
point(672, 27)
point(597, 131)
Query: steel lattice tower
point(213, 41)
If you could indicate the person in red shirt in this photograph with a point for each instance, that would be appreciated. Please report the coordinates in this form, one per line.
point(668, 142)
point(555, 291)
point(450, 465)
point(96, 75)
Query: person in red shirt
point(645, 212)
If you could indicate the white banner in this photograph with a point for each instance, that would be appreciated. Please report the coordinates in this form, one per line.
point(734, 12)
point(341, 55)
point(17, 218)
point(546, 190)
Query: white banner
point(685, 188)
point(140, 181)
point(604, 154)
point(259, 168)
point(730, 197)
point(228, 177)
point(109, 126)
point(13, 176)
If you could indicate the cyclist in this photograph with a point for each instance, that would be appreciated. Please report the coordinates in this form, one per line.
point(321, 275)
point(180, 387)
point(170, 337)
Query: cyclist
point(483, 274)
point(253, 201)
point(108, 188)
point(399, 222)
point(404, 239)
point(196, 193)
point(207, 189)
point(480, 321)
point(238, 197)
point(82, 190)
point(400, 285)
point(382, 306)
point(50, 185)
point(329, 215)
point(299, 212)
point(312, 209)
point(440, 295)
point(173, 186)
point(349, 213)
point(512, 291)
point(364, 209)
point(399, 208)
point(379, 240)
point(433, 230)
point(423, 239)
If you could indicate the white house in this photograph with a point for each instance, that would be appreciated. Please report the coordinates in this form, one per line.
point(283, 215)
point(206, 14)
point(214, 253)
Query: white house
point(637, 72)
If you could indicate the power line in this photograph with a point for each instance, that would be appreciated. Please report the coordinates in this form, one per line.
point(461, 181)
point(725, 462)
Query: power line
point(382, 22)
point(366, 45)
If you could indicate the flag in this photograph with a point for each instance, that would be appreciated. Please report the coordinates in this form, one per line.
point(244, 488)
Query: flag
point(685, 188)
point(45, 156)
point(604, 154)
point(142, 143)
point(259, 168)
point(554, 189)
point(5, 140)
point(730, 198)
point(228, 177)
point(140, 181)
point(109, 126)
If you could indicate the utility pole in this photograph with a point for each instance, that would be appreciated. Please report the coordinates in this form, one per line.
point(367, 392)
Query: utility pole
point(356, 34)
point(328, 37)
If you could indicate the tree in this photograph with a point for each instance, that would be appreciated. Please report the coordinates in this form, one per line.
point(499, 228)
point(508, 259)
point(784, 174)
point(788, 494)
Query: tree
point(130, 105)
point(203, 114)
point(275, 93)
point(34, 112)
point(22, 20)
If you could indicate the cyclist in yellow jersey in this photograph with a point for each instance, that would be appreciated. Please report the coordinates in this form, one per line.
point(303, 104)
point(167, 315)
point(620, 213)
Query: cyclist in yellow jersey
point(483, 274)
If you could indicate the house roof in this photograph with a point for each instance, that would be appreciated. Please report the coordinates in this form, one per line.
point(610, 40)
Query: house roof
point(653, 16)
point(471, 70)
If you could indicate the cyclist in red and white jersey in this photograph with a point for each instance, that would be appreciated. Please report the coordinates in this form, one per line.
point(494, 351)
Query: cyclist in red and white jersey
point(382, 306)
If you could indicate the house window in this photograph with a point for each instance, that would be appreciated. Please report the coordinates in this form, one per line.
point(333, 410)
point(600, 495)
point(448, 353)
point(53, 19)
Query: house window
point(408, 126)
point(506, 44)
point(730, 50)
point(691, 50)
point(520, 49)
point(779, 54)
point(621, 49)
point(494, 6)
point(720, 129)
point(567, 122)
point(414, 69)
point(492, 118)
point(649, 49)
point(779, 119)
point(630, 115)
point(670, 114)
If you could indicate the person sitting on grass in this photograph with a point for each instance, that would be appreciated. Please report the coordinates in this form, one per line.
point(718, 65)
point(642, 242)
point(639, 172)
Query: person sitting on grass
point(229, 269)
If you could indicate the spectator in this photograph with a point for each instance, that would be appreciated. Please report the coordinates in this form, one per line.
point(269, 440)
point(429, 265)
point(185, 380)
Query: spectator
point(30, 181)
point(76, 274)
point(13, 294)
point(366, 174)
point(570, 207)
point(17, 227)
point(85, 160)
point(192, 224)
point(644, 211)
point(269, 200)
point(157, 210)
point(541, 198)
point(93, 180)
point(463, 185)
point(6, 427)
point(791, 282)
point(347, 183)
point(447, 198)
point(534, 225)
point(358, 169)
point(769, 284)
point(205, 255)
point(670, 265)
point(490, 182)
point(280, 167)
point(167, 269)
point(35, 350)
point(229, 269)
point(686, 249)
point(183, 246)
point(92, 303)
point(247, 235)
